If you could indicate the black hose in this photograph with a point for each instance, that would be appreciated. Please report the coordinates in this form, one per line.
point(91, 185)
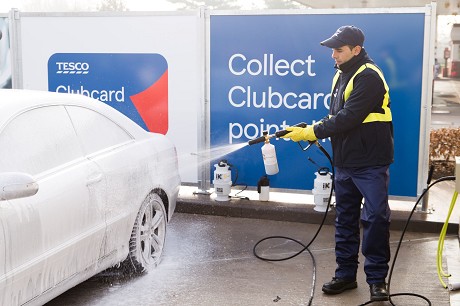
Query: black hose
point(305, 247)
point(446, 178)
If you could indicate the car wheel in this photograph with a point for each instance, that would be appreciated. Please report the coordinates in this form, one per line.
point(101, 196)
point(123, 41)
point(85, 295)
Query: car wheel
point(148, 235)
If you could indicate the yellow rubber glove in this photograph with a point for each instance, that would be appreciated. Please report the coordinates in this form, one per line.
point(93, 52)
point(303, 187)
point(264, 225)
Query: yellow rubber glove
point(297, 133)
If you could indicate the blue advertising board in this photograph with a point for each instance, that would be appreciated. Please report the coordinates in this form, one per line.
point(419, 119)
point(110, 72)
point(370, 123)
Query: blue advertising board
point(269, 71)
point(134, 84)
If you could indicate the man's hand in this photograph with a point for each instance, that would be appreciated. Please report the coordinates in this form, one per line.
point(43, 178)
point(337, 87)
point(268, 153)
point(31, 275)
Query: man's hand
point(297, 133)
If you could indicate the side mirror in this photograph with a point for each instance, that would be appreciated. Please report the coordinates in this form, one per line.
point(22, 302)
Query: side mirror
point(14, 185)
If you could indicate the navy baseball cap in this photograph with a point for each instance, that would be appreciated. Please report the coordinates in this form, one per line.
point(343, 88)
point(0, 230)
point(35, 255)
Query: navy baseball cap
point(346, 35)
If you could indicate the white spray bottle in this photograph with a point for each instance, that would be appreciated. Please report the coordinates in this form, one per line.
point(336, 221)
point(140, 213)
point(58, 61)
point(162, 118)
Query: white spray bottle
point(269, 155)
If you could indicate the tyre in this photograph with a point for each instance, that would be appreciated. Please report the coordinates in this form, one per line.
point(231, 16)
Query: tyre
point(148, 235)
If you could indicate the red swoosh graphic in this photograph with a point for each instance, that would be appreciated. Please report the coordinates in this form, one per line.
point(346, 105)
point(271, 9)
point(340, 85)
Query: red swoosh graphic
point(152, 105)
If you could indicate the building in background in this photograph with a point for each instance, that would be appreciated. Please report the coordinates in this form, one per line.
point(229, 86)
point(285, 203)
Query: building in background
point(5, 58)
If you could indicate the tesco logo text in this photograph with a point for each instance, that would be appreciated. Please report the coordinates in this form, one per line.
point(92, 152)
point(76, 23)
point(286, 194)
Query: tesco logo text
point(72, 67)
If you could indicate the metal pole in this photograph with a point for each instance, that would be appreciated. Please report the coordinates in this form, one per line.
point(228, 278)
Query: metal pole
point(426, 197)
point(203, 129)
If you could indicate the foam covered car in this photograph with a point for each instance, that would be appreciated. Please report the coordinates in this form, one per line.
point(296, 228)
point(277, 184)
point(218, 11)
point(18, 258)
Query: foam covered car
point(82, 188)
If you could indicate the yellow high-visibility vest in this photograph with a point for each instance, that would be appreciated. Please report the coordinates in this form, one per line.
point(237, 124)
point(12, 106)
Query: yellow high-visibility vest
point(372, 117)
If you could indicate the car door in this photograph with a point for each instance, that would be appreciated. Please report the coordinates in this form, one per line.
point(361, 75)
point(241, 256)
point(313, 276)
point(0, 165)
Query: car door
point(57, 233)
point(111, 148)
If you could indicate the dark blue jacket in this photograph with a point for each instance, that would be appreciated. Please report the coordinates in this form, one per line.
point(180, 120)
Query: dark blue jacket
point(354, 143)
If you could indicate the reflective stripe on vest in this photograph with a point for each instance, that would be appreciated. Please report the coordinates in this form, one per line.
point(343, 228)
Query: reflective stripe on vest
point(372, 117)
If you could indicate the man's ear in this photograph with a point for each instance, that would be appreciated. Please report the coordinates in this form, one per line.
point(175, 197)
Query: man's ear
point(356, 50)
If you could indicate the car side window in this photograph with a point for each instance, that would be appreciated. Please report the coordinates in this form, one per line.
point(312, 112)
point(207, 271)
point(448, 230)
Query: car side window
point(95, 131)
point(38, 140)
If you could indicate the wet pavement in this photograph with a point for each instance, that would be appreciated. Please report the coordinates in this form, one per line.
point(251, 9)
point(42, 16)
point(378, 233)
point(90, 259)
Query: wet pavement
point(208, 260)
point(208, 257)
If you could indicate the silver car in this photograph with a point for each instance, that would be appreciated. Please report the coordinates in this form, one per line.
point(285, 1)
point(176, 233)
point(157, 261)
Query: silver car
point(82, 188)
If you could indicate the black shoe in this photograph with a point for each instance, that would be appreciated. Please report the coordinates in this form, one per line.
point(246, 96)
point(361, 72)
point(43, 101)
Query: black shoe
point(339, 285)
point(378, 292)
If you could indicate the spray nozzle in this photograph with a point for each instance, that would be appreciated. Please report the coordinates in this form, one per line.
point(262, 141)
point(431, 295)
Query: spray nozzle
point(257, 140)
point(266, 137)
point(223, 163)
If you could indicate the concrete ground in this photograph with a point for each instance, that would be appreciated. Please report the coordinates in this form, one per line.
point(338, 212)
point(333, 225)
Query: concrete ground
point(446, 103)
point(415, 269)
point(208, 261)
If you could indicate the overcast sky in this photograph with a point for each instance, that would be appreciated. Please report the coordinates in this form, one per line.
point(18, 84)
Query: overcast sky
point(133, 5)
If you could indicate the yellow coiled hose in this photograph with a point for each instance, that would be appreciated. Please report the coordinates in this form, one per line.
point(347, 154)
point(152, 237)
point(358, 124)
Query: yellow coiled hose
point(441, 272)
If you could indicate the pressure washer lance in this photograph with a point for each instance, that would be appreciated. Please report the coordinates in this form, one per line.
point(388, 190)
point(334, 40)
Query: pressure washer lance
point(278, 134)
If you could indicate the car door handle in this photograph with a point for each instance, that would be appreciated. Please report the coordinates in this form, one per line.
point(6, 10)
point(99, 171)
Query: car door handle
point(94, 179)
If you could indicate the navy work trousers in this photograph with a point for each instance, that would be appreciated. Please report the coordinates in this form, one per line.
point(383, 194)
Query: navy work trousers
point(351, 186)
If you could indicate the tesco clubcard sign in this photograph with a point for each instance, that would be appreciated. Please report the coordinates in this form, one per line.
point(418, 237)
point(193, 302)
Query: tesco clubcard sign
point(134, 84)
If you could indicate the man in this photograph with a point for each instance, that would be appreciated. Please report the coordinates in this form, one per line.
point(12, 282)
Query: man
point(361, 131)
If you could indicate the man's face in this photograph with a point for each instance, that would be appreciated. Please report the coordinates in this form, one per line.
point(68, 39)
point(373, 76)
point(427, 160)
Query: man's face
point(344, 54)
